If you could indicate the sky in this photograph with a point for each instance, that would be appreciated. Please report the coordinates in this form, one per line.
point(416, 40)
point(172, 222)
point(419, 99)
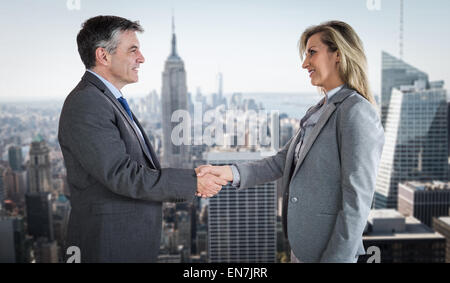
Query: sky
point(252, 42)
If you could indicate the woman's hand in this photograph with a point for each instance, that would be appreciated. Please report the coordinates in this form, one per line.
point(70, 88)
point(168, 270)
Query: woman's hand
point(223, 172)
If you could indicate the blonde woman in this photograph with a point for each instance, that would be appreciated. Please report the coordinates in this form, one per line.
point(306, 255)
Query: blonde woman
point(328, 169)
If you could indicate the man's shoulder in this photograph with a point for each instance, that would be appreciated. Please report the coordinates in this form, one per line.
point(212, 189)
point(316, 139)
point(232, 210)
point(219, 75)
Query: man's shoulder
point(85, 94)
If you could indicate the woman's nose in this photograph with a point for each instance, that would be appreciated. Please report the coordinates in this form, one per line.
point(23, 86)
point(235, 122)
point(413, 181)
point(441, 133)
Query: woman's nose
point(305, 64)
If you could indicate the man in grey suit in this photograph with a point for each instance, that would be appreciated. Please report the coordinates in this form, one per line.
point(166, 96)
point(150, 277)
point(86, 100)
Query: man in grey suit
point(116, 183)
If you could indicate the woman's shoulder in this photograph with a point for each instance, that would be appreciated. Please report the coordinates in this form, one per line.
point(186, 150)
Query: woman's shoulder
point(356, 100)
point(355, 105)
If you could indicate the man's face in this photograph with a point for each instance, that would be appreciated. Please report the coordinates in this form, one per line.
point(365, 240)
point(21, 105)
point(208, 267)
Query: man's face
point(126, 60)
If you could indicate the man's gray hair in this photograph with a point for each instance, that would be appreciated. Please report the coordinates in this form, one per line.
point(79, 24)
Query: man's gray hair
point(102, 31)
point(111, 44)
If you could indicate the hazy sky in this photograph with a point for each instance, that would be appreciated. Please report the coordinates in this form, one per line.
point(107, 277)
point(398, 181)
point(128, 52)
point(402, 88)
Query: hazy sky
point(252, 42)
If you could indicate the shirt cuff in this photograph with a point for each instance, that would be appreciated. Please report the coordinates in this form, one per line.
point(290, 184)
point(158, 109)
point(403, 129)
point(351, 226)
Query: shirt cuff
point(236, 176)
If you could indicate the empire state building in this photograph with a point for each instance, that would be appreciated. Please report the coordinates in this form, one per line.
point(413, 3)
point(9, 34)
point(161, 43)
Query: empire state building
point(173, 98)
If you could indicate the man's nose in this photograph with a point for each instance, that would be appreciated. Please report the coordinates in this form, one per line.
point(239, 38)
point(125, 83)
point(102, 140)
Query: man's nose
point(141, 58)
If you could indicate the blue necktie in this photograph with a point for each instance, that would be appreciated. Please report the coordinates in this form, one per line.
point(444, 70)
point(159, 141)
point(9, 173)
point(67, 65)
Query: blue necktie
point(125, 105)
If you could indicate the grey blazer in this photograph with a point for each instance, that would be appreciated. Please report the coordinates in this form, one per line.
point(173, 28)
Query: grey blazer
point(116, 190)
point(328, 195)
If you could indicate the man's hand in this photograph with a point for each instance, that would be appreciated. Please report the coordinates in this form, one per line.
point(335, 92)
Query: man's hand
point(209, 185)
point(222, 172)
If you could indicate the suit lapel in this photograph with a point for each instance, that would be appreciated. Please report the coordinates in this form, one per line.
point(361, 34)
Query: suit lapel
point(154, 159)
point(329, 110)
point(290, 156)
point(94, 80)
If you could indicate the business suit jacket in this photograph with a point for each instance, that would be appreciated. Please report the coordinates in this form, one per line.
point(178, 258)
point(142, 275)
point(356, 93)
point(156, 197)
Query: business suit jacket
point(116, 190)
point(327, 196)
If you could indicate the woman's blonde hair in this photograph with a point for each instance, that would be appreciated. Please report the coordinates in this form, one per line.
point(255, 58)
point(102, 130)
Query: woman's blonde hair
point(341, 37)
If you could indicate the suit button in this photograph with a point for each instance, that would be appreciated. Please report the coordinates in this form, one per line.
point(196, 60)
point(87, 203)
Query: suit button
point(294, 199)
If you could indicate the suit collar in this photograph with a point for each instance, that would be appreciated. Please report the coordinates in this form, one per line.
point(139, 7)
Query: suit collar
point(341, 94)
point(114, 90)
point(331, 106)
point(88, 76)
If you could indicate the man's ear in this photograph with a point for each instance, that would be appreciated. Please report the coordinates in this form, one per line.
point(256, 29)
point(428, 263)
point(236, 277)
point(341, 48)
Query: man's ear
point(102, 56)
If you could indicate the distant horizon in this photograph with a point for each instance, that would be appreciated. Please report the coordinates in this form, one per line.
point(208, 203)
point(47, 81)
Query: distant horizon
point(252, 43)
point(141, 95)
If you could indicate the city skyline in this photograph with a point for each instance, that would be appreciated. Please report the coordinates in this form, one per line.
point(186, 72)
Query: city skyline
point(254, 44)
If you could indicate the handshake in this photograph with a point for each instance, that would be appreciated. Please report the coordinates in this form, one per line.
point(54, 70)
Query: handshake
point(210, 179)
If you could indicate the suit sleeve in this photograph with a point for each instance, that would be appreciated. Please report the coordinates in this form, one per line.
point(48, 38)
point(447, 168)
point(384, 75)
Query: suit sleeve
point(91, 135)
point(361, 140)
point(265, 170)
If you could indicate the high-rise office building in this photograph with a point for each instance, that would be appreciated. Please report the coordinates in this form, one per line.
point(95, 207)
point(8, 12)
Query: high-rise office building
point(424, 200)
point(275, 131)
point(15, 157)
point(183, 234)
point(39, 167)
point(7, 247)
point(46, 251)
point(39, 215)
point(14, 185)
point(416, 142)
point(448, 128)
point(2, 188)
point(242, 224)
point(173, 98)
point(402, 239)
point(61, 218)
point(154, 103)
point(442, 226)
point(395, 73)
point(13, 244)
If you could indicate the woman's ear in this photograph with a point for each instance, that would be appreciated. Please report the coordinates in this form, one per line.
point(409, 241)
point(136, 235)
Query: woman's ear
point(338, 57)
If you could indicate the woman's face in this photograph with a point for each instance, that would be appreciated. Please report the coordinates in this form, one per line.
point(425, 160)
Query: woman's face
point(322, 65)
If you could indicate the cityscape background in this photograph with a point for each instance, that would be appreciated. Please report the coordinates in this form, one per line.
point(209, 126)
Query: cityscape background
point(229, 55)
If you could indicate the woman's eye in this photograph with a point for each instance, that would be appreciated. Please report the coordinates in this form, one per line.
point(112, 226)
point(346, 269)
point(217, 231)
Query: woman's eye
point(311, 52)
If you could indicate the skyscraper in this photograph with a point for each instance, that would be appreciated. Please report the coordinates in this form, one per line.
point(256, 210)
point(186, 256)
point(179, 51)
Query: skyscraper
point(39, 173)
point(416, 140)
point(14, 184)
point(402, 239)
point(242, 225)
point(173, 98)
point(2, 189)
point(395, 73)
point(275, 131)
point(7, 247)
point(442, 226)
point(15, 157)
point(13, 244)
point(39, 215)
point(424, 200)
